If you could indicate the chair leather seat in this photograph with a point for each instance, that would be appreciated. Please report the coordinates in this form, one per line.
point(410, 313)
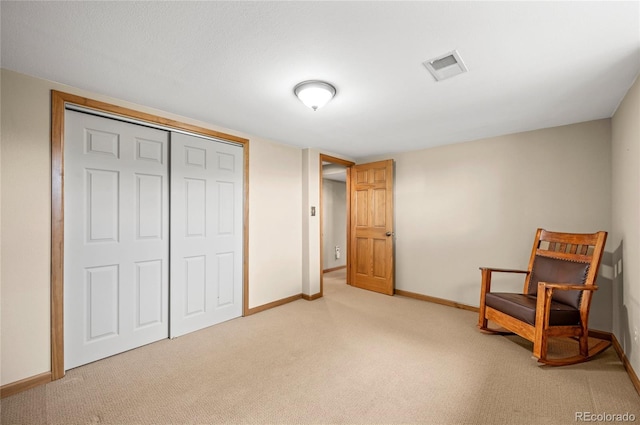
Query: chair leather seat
point(523, 307)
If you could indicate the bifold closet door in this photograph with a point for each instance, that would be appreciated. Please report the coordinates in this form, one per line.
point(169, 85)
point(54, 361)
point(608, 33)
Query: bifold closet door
point(206, 232)
point(116, 243)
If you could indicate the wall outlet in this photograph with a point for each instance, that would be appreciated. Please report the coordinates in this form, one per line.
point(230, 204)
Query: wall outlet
point(636, 335)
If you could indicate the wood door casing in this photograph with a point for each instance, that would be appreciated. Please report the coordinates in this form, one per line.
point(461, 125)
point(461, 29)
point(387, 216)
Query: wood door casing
point(371, 191)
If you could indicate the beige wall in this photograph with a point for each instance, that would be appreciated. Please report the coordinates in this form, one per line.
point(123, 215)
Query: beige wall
point(25, 228)
point(473, 204)
point(274, 200)
point(625, 236)
point(457, 207)
point(275, 224)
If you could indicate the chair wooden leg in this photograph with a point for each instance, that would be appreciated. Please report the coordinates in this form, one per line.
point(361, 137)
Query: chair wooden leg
point(584, 345)
point(540, 347)
point(543, 306)
point(482, 323)
point(486, 285)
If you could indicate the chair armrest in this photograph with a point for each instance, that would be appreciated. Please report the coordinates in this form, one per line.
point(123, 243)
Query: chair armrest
point(486, 279)
point(544, 296)
point(485, 288)
point(492, 269)
point(568, 286)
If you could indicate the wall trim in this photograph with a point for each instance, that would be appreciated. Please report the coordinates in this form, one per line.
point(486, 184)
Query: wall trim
point(435, 300)
point(312, 297)
point(333, 269)
point(607, 336)
point(272, 304)
point(25, 384)
point(625, 362)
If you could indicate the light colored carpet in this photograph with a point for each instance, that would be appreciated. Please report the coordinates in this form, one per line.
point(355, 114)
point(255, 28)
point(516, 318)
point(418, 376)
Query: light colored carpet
point(351, 357)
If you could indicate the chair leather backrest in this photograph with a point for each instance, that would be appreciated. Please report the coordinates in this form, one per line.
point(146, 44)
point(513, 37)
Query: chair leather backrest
point(555, 270)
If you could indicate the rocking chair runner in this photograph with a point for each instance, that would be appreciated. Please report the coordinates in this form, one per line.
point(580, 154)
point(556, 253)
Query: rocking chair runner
point(555, 302)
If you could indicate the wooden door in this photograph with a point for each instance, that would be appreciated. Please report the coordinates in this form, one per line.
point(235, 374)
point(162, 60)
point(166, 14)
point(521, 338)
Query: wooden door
point(372, 227)
point(206, 232)
point(116, 238)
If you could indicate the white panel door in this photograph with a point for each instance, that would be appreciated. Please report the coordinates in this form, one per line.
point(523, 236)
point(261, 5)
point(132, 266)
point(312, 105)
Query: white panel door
point(206, 232)
point(116, 242)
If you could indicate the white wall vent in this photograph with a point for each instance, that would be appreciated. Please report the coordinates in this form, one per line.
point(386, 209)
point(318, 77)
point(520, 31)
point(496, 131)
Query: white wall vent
point(446, 66)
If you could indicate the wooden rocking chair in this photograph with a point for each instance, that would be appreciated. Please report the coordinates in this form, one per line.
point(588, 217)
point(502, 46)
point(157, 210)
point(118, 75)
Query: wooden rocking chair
point(555, 302)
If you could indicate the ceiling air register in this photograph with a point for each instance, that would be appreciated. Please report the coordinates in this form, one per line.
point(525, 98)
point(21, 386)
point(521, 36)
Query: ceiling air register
point(446, 66)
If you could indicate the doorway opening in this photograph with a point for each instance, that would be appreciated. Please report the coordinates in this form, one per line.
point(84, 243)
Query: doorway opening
point(334, 216)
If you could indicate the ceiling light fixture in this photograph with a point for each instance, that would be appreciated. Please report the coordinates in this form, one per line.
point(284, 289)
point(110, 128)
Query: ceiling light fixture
point(315, 94)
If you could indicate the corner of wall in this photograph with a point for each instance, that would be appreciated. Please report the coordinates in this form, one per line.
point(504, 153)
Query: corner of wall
point(310, 224)
point(625, 190)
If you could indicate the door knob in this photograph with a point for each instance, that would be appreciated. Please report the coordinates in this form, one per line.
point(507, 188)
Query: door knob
point(389, 233)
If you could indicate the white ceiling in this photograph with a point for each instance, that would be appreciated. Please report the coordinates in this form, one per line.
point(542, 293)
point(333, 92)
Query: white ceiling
point(234, 64)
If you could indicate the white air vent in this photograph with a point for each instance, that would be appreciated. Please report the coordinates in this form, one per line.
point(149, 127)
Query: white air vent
point(446, 66)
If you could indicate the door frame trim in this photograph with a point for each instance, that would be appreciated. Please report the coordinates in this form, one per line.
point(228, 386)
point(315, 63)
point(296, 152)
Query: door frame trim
point(348, 165)
point(58, 105)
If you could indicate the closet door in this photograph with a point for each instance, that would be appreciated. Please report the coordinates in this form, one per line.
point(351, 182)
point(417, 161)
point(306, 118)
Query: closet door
point(116, 237)
point(206, 232)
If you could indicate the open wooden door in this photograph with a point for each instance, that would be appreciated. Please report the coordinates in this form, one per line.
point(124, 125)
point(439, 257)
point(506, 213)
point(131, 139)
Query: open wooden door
point(372, 227)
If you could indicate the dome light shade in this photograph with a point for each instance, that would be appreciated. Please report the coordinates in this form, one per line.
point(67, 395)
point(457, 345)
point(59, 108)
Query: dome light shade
point(315, 94)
